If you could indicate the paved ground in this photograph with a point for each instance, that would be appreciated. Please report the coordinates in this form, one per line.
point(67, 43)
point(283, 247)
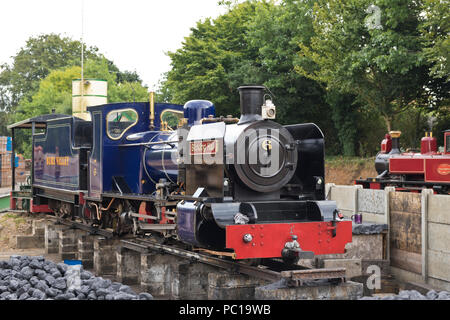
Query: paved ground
point(22, 252)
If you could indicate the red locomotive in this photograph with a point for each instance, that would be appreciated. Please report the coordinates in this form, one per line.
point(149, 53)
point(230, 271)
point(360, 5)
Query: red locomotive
point(412, 171)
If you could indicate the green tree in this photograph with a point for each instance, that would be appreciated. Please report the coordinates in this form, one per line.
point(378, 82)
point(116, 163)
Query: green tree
point(435, 30)
point(34, 62)
point(55, 92)
point(255, 42)
point(203, 67)
point(380, 61)
point(41, 55)
point(275, 33)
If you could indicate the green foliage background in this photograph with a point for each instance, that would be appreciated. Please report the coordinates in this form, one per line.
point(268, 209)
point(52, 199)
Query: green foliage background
point(322, 61)
point(40, 81)
point(325, 63)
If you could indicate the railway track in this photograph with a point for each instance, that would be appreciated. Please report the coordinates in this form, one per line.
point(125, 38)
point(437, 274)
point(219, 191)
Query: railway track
point(107, 233)
point(296, 277)
point(271, 270)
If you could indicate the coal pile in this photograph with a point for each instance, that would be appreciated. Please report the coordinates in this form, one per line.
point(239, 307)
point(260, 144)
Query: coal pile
point(414, 295)
point(34, 278)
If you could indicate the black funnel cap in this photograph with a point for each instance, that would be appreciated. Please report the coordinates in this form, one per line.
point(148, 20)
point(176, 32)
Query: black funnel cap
point(252, 99)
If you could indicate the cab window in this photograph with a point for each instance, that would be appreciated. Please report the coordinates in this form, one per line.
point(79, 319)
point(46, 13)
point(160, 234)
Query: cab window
point(171, 118)
point(119, 121)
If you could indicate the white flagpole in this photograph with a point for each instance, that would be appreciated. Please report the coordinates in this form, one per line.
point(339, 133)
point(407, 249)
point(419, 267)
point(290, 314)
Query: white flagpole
point(82, 55)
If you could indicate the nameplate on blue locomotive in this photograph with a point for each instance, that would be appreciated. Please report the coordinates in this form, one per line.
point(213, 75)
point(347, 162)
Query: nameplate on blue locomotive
point(203, 147)
point(57, 161)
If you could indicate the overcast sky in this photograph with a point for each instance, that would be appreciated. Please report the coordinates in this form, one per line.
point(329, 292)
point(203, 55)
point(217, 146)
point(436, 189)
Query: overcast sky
point(135, 34)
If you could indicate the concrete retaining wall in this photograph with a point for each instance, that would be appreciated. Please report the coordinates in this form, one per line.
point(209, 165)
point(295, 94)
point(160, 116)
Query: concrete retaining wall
point(419, 228)
point(437, 257)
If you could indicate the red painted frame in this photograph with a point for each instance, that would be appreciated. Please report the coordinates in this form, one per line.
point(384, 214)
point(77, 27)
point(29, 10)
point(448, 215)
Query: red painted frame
point(406, 164)
point(375, 185)
point(12, 202)
point(269, 239)
point(434, 169)
point(39, 209)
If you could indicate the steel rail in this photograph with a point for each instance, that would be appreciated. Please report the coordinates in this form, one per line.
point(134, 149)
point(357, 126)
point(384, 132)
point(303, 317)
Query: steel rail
point(295, 277)
point(147, 246)
point(78, 225)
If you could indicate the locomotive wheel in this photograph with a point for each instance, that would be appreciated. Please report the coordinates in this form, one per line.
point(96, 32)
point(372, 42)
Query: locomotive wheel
point(117, 230)
point(106, 220)
point(290, 260)
point(119, 226)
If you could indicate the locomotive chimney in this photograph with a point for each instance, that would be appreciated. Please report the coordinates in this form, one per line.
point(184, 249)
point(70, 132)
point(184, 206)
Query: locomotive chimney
point(252, 99)
point(395, 141)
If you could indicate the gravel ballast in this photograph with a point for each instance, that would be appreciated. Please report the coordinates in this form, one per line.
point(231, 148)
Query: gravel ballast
point(413, 295)
point(34, 278)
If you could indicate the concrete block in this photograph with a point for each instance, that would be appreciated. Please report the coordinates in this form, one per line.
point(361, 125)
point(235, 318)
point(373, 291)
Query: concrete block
point(69, 236)
point(438, 206)
point(82, 255)
point(439, 265)
point(68, 241)
point(30, 242)
point(371, 201)
point(372, 217)
point(363, 246)
point(345, 197)
point(157, 274)
point(69, 256)
point(318, 290)
point(352, 266)
point(105, 261)
point(39, 227)
point(52, 238)
point(68, 248)
point(128, 266)
point(226, 286)
point(86, 250)
point(86, 243)
point(438, 236)
point(103, 244)
point(190, 281)
point(85, 247)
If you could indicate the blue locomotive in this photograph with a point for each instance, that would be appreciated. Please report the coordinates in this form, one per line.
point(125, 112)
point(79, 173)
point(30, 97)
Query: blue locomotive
point(246, 186)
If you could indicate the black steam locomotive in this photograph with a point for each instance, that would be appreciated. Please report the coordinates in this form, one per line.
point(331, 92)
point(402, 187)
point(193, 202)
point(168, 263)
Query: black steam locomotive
point(247, 186)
